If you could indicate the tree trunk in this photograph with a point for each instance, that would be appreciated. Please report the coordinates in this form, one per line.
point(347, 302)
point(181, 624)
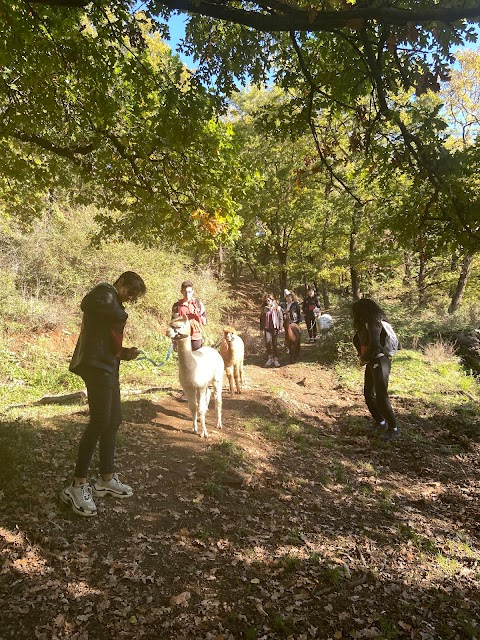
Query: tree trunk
point(407, 265)
point(356, 220)
point(324, 284)
point(461, 284)
point(221, 263)
point(421, 273)
point(283, 275)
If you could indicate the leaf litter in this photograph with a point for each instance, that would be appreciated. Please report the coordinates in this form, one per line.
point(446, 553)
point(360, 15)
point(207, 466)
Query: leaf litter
point(293, 522)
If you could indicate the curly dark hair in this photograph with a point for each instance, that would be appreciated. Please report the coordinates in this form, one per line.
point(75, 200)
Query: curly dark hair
point(366, 310)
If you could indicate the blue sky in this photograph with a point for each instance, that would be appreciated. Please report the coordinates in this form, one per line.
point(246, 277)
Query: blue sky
point(177, 32)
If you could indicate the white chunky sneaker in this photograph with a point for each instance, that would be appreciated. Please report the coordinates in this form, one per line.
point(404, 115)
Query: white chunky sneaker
point(80, 499)
point(269, 362)
point(113, 487)
point(276, 363)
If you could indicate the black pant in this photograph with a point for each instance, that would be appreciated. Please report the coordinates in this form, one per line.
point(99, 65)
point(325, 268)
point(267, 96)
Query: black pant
point(103, 390)
point(375, 390)
point(311, 323)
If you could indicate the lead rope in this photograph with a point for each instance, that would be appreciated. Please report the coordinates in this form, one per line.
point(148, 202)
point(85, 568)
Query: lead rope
point(143, 356)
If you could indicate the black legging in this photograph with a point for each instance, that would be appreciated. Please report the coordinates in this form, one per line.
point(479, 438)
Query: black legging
point(375, 390)
point(103, 391)
point(311, 323)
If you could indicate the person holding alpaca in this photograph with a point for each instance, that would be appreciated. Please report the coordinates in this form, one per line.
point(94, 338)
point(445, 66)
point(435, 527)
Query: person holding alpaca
point(96, 359)
point(271, 322)
point(310, 305)
point(194, 310)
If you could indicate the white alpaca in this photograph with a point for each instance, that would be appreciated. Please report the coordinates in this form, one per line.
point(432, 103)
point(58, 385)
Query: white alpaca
point(196, 371)
point(232, 351)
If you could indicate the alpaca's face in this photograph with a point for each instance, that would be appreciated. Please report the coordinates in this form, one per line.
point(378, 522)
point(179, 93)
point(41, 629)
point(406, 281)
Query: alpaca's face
point(179, 328)
point(229, 334)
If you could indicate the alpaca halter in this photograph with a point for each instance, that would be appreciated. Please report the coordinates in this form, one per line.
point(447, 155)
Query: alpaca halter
point(179, 336)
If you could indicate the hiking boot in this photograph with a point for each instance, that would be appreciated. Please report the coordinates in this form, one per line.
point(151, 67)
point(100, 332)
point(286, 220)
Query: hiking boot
point(391, 434)
point(269, 362)
point(113, 487)
point(80, 499)
point(276, 363)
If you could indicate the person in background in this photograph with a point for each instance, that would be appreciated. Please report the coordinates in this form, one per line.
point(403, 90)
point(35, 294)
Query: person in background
point(195, 311)
point(189, 306)
point(271, 322)
point(367, 322)
point(96, 359)
point(292, 307)
point(310, 304)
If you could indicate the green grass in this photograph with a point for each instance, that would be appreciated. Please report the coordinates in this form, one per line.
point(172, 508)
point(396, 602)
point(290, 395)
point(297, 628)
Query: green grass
point(449, 566)
point(388, 629)
point(419, 541)
point(224, 459)
point(281, 625)
point(279, 430)
point(444, 385)
point(291, 563)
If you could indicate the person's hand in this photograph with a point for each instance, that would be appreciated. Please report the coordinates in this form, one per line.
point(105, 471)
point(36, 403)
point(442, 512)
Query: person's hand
point(132, 353)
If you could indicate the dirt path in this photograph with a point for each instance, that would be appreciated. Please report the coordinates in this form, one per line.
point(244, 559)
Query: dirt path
point(291, 522)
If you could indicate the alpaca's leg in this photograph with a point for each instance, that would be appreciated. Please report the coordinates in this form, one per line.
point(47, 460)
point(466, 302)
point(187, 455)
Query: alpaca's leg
point(192, 405)
point(230, 379)
point(218, 397)
point(203, 398)
point(237, 374)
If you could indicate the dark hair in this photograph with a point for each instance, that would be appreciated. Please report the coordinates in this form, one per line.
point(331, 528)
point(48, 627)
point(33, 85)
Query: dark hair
point(366, 310)
point(133, 282)
point(185, 284)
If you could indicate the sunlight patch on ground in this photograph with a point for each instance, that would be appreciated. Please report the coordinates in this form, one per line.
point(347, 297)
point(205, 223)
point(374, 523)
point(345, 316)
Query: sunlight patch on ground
point(30, 561)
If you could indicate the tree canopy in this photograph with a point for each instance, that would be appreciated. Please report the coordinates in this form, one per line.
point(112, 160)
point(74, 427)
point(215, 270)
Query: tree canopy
point(93, 98)
point(90, 93)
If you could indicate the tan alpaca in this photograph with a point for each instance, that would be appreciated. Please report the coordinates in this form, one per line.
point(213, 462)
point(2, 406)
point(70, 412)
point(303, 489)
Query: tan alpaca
point(232, 351)
point(197, 370)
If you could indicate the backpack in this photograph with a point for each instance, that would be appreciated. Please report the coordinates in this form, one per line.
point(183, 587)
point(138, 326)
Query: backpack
point(390, 346)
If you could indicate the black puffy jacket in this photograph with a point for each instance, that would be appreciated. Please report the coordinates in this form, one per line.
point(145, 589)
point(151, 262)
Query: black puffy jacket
point(99, 342)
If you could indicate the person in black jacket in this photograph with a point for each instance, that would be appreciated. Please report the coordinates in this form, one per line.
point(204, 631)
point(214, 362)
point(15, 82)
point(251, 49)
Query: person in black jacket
point(368, 339)
point(96, 359)
point(310, 304)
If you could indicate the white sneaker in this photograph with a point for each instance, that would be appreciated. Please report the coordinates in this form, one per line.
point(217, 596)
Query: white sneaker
point(113, 487)
point(269, 362)
point(276, 363)
point(80, 499)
